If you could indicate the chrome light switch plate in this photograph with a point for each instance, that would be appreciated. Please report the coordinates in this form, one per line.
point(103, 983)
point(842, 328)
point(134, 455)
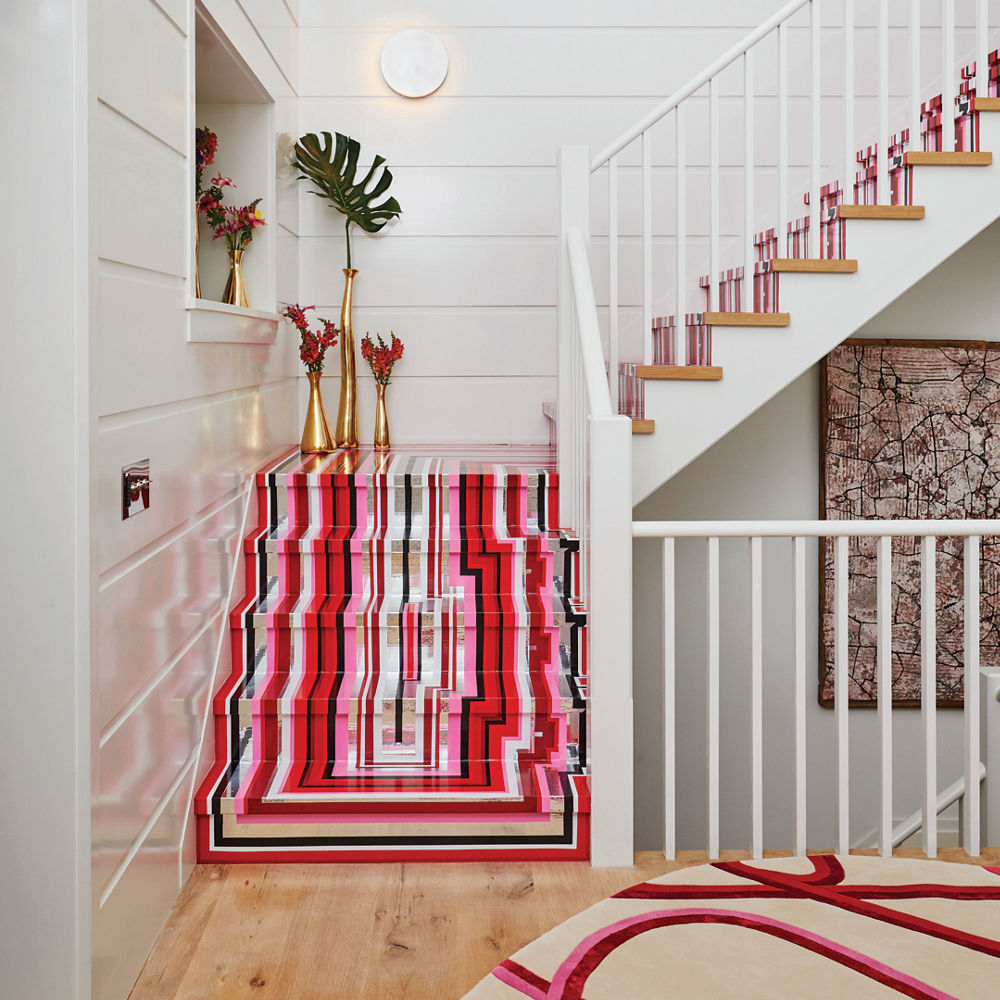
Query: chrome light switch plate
point(135, 488)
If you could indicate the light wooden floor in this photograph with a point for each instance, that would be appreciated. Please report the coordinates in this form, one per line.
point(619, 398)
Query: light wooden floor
point(375, 932)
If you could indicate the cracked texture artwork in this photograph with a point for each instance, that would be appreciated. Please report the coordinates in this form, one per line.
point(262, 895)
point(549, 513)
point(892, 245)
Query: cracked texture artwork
point(911, 430)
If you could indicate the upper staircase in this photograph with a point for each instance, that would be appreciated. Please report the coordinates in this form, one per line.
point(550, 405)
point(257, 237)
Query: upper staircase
point(786, 291)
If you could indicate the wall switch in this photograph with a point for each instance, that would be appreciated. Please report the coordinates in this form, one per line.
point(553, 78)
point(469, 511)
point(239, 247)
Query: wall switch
point(135, 488)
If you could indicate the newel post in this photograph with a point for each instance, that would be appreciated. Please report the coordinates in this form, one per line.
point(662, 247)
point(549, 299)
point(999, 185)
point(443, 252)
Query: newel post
point(989, 735)
point(574, 210)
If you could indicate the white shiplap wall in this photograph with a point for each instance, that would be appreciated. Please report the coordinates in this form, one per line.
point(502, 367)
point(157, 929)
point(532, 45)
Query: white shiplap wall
point(467, 276)
point(204, 414)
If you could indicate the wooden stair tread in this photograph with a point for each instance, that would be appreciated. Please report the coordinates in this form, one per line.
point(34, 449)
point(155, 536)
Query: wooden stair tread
point(746, 319)
point(680, 373)
point(880, 212)
point(946, 158)
point(643, 426)
point(987, 104)
point(812, 265)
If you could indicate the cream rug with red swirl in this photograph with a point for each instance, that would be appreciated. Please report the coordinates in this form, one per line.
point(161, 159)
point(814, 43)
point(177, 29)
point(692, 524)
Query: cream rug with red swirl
point(818, 928)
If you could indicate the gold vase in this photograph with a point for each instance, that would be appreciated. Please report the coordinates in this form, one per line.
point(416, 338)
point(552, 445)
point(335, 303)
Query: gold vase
point(346, 433)
point(236, 292)
point(197, 247)
point(316, 436)
point(381, 420)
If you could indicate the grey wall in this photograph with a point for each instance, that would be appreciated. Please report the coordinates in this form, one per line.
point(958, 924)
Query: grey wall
point(768, 468)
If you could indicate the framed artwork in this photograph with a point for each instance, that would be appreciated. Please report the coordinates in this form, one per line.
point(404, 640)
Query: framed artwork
point(910, 429)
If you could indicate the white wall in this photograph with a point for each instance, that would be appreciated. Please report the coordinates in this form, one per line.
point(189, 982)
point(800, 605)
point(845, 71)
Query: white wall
point(45, 590)
point(768, 468)
point(467, 276)
point(205, 414)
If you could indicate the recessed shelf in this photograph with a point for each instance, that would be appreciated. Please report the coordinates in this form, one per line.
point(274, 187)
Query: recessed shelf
point(218, 323)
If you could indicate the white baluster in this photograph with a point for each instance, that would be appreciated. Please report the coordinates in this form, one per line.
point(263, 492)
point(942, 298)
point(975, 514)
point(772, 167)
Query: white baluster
point(613, 281)
point(783, 140)
point(680, 188)
point(849, 148)
point(647, 246)
point(840, 703)
point(982, 48)
point(713, 194)
point(928, 688)
point(914, 74)
point(884, 604)
point(971, 676)
point(882, 170)
point(799, 560)
point(669, 699)
point(756, 701)
point(815, 248)
point(748, 179)
point(712, 677)
point(948, 75)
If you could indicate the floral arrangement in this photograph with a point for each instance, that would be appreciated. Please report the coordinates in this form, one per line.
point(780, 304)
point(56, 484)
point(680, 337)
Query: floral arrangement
point(206, 142)
point(235, 224)
point(312, 346)
point(381, 359)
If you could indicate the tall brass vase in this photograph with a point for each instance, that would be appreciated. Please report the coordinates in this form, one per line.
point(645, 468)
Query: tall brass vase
point(346, 433)
point(236, 292)
point(316, 436)
point(381, 420)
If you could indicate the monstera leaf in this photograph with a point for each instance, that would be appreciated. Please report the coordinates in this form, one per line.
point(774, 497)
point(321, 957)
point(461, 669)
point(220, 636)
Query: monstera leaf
point(331, 164)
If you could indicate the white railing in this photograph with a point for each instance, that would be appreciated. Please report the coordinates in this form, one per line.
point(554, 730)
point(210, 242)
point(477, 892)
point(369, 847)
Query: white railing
point(974, 750)
point(595, 476)
point(792, 166)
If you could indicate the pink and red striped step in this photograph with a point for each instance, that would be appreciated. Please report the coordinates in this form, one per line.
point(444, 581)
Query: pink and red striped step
point(408, 674)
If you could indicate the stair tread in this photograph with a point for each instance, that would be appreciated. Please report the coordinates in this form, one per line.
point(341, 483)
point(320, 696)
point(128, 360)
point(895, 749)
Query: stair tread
point(643, 426)
point(880, 212)
point(986, 104)
point(812, 265)
point(680, 373)
point(947, 158)
point(746, 319)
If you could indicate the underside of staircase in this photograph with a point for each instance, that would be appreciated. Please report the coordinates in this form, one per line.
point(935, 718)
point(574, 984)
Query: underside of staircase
point(407, 666)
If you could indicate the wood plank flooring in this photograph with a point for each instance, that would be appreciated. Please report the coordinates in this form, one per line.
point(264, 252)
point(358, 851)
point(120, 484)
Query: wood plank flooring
point(376, 932)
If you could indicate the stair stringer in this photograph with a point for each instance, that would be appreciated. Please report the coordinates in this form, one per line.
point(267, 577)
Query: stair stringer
point(892, 255)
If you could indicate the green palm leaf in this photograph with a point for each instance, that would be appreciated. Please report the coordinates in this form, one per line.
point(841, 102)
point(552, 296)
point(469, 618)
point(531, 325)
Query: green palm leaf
point(331, 164)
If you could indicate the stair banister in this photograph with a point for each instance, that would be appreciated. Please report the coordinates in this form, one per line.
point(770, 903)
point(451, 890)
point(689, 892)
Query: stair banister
point(981, 740)
point(696, 83)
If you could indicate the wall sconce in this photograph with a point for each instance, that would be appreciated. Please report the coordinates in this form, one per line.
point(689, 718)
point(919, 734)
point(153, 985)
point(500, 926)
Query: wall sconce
point(414, 63)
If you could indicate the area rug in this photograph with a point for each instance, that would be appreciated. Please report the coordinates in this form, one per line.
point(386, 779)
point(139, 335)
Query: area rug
point(818, 928)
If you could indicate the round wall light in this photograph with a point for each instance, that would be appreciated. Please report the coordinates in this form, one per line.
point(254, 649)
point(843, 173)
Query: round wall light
point(414, 63)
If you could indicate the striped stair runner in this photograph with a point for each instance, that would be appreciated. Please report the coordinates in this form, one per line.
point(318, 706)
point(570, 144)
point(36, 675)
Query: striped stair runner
point(407, 671)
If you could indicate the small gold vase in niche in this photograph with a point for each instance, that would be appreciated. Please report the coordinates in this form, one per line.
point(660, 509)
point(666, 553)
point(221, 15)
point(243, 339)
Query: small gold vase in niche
point(346, 432)
point(236, 292)
point(316, 436)
point(197, 248)
point(381, 420)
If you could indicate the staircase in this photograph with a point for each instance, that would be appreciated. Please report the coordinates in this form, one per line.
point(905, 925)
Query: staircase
point(408, 670)
point(923, 185)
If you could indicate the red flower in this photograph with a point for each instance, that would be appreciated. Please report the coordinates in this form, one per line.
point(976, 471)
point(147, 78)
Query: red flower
point(381, 359)
point(312, 346)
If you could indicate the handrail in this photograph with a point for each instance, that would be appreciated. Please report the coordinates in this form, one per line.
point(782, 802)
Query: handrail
point(591, 352)
point(943, 527)
point(696, 82)
point(909, 826)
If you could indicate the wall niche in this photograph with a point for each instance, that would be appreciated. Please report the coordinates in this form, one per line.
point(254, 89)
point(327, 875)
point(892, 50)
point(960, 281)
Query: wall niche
point(231, 101)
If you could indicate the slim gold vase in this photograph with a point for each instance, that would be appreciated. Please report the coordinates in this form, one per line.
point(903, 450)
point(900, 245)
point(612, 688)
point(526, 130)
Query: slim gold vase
point(236, 292)
point(381, 420)
point(346, 432)
point(316, 436)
